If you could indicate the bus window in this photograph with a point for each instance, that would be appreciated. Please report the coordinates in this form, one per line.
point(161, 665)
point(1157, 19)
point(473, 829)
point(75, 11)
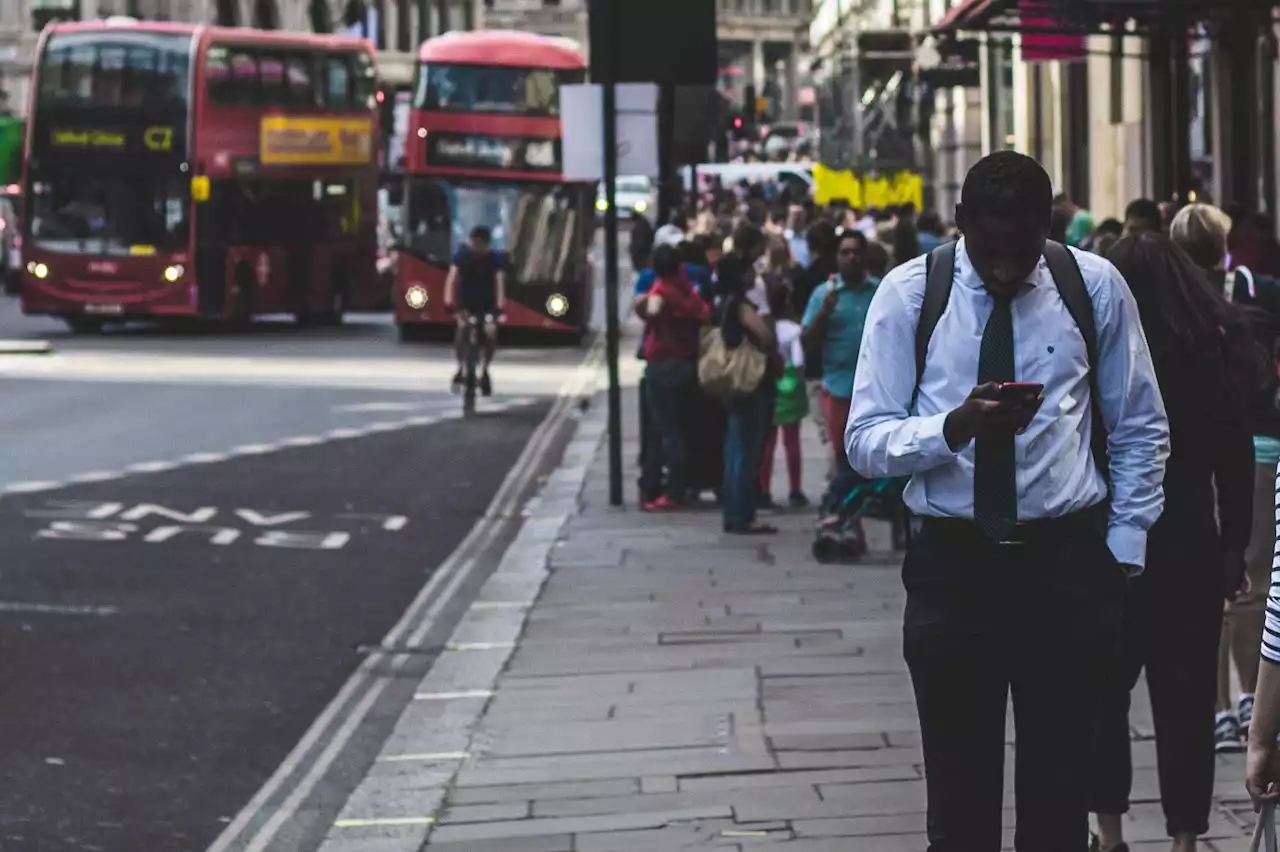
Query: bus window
point(271, 72)
point(364, 79)
point(429, 233)
point(114, 69)
point(337, 82)
point(491, 89)
point(301, 86)
point(232, 76)
point(89, 212)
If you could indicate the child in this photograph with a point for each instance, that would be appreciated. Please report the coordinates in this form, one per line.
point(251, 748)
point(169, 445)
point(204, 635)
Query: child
point(792, 402)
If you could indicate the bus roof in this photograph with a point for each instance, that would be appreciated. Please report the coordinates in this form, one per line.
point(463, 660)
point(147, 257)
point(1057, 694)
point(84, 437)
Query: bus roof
point(502, 47)
point(238, 35)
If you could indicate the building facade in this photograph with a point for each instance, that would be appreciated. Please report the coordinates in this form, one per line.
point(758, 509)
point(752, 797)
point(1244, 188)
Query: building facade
point(395, 26)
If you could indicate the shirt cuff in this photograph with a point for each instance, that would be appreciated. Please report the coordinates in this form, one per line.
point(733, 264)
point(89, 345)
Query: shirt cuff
point(1128, 544)
point(932, 441)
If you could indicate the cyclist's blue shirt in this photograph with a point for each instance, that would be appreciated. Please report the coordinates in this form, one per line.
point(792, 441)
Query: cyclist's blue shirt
point(699, 276)
point(478, 278)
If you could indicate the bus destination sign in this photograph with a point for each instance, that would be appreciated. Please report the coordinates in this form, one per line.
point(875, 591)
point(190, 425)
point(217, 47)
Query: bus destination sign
point(289, 141)
point(458, 150)
point(153, 139)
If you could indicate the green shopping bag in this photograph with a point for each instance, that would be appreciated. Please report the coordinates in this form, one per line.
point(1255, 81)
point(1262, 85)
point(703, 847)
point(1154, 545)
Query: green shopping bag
point(792, 405)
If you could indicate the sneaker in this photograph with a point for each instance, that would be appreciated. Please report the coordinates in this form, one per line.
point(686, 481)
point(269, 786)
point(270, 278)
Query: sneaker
point(798, 500)
point(1227, 736)
point(1095, 845)
point(459, 379)
point(486, 386)
point(662, 504)
point(764, 503)
point(1244, 712)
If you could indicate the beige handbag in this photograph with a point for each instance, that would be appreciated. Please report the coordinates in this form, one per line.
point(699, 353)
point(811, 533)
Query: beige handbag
point(729, 373)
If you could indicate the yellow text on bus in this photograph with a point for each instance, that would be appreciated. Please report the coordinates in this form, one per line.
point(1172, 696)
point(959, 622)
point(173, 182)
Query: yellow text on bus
point(88, 139)
point(289, 141)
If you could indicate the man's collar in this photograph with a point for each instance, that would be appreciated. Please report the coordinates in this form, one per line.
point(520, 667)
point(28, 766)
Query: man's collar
point(969, 276)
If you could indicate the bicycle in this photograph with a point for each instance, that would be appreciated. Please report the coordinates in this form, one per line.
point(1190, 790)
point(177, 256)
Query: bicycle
point(477, 333)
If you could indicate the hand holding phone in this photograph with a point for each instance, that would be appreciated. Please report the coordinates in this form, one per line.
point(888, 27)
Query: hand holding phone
point(993, 409)
point(1024, 393)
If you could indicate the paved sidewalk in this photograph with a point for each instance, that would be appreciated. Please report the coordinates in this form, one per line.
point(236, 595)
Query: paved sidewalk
point(672, 688)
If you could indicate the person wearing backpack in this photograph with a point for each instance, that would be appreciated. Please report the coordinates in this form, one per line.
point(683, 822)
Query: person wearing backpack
point(1009, 378)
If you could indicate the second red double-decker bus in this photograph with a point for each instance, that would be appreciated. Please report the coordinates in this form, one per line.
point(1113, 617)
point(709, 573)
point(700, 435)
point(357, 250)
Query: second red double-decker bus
point(484, 149)
point(186, 171)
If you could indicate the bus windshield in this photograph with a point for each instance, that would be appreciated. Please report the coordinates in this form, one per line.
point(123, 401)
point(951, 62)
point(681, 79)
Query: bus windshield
point(491, 89)
point(109, 214)
point(539, 226)
point(115, 68)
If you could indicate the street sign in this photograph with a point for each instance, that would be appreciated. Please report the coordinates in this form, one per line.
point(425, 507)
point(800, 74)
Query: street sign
point(582, 120)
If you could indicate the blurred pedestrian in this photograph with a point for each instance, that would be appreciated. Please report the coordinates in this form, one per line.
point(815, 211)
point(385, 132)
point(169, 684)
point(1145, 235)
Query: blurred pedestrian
point(672, 312)
point(641, 243)
point(795, 235)
point(742, 325)
point(1210, 367)
point(930, 233)
point(1079, 220)
point(791, 404)
point(1143, 216)
point(1202, 230)
point(1012, 585)
point(823, 246)
point(673, 233)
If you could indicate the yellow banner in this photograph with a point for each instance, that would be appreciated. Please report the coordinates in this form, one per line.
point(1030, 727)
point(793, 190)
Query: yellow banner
point(866, 191)
point(315, 141)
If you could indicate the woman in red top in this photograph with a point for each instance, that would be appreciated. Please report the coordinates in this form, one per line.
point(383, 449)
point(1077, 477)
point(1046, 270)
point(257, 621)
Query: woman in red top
point(672, 312)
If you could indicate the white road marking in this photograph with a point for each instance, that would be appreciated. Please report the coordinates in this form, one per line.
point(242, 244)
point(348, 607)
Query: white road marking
point(379, 407)
point(421, 420)
point(95, 476)
point(302, 441)
point(152, 467)
point(254, 449)
point(205, 458)
point(500, 605)
point(30, 487)
point(480, 646)
point(55, 609)
point(342, 434)
point(385, 426)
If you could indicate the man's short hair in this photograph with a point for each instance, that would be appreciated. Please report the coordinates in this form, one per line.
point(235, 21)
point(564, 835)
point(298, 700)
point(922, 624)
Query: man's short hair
point(482, 233)
point(1201, 230)
point(1146, 209)
point(666, 261)
point(1008, 185)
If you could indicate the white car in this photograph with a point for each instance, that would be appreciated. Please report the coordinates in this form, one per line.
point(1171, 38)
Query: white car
point(634, 195)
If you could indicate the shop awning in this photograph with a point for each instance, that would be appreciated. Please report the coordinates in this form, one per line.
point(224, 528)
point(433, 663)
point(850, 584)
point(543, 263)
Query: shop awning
point(1064, 17)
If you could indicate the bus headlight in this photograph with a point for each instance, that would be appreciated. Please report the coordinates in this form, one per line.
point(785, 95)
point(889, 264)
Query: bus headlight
point(557, 305)
point(602, 204)
point(39, 270)
point(416, 297)
point(173, 274)
point(641, 206)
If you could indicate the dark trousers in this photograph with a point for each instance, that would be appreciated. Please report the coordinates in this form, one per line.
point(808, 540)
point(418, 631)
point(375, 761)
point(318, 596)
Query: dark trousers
point(983, 621)
point(1172, 623)
point(668, 387)
point(743, 444)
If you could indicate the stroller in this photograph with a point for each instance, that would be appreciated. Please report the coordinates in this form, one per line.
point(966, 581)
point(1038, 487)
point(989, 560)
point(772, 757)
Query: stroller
point(850, 498)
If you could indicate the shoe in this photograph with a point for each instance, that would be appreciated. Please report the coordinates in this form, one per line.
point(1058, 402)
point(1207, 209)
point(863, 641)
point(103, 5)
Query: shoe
point(764, 503)
point(459, 379)
point(486, 386)
point(798, 500)
point(662, 504)
point(1095, 845)
point(1244, 712)
point(1227, 735)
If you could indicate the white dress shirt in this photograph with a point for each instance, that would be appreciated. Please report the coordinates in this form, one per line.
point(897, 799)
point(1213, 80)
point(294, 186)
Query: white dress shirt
point(1055, 470)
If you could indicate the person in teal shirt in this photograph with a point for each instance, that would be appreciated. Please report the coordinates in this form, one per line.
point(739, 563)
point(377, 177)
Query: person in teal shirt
point(834, 320)
point(1079, 220)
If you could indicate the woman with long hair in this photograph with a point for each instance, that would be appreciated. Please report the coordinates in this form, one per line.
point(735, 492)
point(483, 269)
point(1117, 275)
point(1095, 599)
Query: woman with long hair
point(741, 324)
point(1210, 366)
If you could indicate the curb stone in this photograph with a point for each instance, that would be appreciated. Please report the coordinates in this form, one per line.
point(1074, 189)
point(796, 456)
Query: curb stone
point(394, 808)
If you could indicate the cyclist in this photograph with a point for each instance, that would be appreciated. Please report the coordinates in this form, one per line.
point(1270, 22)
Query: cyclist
point(476, 286)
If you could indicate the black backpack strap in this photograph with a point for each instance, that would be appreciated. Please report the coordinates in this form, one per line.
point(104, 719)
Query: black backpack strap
point(1074, 294)
point(940, 270)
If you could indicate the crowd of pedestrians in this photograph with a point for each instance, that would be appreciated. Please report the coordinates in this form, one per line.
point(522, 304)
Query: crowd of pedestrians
point(1083, 420)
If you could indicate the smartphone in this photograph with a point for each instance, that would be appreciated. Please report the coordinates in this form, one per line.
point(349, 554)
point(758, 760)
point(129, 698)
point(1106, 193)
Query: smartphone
point(1024, 392)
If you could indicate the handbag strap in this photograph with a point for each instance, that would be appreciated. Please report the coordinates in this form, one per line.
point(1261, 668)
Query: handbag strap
point(1264, 833)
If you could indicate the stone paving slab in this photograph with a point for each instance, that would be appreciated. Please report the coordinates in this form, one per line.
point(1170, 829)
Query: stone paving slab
point(669, 688)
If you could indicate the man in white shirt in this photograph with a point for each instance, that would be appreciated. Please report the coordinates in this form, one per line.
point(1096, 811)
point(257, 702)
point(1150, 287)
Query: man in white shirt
point(672, 233)
point(1015, 579)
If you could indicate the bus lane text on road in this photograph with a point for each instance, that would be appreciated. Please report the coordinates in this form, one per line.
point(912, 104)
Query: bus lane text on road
point(155, 523)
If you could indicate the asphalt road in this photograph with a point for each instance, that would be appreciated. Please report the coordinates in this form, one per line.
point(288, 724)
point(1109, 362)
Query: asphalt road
point(199, 534)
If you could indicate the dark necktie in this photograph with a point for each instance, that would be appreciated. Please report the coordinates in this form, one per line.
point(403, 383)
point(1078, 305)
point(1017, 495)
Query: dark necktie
point(995, 486)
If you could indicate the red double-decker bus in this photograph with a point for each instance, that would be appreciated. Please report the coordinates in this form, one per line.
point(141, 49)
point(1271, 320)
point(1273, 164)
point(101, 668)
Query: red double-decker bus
point(484, 149)
point(201, 172)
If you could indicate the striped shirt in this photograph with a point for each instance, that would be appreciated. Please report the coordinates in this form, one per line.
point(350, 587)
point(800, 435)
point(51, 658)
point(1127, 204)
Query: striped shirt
point(1271, 631)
